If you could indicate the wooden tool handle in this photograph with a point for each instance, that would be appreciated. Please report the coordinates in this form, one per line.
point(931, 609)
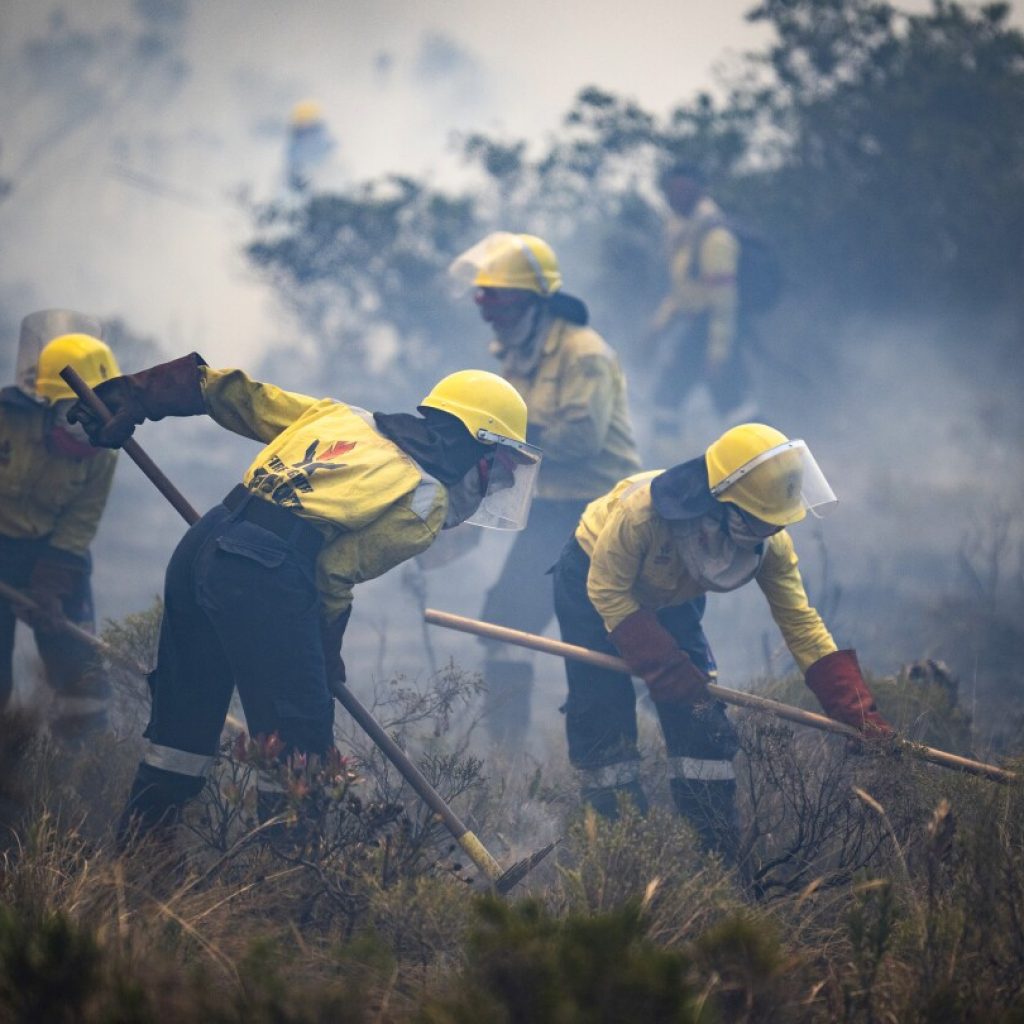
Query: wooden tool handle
point(737, 697)
point(132, 447)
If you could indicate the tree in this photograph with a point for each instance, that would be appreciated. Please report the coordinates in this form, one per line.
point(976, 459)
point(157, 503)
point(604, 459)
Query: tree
point(882, 152)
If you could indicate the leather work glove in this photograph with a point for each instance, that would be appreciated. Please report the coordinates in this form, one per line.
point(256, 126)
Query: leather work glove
point(652, 653)
point(53, 579)
point(332, 634)
point(837, 682)
point(169, 389)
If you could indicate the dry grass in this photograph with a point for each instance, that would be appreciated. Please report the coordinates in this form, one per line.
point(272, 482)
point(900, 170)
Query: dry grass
point(871, 887)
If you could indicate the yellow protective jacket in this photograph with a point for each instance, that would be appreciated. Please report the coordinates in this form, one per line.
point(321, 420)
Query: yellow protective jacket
point(327, 462)
point(710, 286)
point(45, 494)
point(576, 399)
point(634, 564)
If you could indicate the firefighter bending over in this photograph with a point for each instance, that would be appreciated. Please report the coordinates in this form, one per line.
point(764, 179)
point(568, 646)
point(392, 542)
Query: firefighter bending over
point(633, 582)
point(258, 593)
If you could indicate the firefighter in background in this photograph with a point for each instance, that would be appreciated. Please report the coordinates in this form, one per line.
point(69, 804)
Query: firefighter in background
point(697, 326)
point(53, 489)
point(309, 145)
point(633, 582)
point(258, 593)
point(576, 393)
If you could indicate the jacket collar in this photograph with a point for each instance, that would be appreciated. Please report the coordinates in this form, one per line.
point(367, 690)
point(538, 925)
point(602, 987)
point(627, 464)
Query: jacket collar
point(682, 492)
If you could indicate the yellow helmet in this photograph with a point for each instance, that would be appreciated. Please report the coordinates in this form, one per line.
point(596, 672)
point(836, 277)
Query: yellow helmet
point(306, 113)
point(482, 401)
point(774, 479)
point(505, 260)
point(89, 356)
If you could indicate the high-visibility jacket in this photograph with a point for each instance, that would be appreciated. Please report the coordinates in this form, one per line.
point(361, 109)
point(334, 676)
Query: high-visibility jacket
point(45, 493)
point(707, 287)
point(327, 462)
point(635, 563)
point(576, 397)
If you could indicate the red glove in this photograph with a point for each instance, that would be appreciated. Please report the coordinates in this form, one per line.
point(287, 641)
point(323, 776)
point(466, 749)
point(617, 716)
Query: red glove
point(837, 682)
point(652, 653)
point(170, 389)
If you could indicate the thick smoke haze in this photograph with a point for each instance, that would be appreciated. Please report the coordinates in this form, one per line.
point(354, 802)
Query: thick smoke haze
point(133, 131)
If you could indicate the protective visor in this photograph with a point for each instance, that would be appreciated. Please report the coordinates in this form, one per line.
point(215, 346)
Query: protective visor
point(508, 479)
point(37, 331)
point(501, 260)
point(779, 486)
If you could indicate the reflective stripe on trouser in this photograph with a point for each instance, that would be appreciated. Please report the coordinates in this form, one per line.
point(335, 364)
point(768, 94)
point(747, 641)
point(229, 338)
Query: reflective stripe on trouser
point(609, 775)
point(600, 714)
point(181, 762)
point(700, 769)
point(606, 787)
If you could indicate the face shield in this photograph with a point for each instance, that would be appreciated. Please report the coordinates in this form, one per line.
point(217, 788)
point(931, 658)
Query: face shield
point(504, 260)
point(780, 486)
point(37, 331)
point(508, 479)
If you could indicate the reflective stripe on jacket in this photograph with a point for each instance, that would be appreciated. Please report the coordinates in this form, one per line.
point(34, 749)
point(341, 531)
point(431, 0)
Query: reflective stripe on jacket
point(45, 493)
point(707, 288)
point(327, 462)
point(576, 396)
point(634, 563)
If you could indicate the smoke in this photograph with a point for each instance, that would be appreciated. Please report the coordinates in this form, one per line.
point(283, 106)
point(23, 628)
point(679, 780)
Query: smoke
point(136, 126)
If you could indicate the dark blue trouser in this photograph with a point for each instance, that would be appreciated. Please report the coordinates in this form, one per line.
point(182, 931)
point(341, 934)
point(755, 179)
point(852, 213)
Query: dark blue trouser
point(241, 608)
point(521, 599)
point(600, 718)
point(72, 668)
point(600, 714)
point(682, 368)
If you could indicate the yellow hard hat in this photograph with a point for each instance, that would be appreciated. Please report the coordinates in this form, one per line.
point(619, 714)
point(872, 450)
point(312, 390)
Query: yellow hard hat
point(482, 401)
point(759, 469)
point(505, 260)
point(306, 113)
point(89, 356)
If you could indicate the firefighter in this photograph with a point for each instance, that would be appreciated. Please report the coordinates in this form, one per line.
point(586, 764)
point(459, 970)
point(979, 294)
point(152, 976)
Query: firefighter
point(258, 593)
point(633, 581)
point(53, 489)
point(309, 147)
point(571, 382)
point(697, 325)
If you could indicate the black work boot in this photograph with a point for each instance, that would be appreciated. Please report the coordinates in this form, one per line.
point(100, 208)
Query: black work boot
point(507, 701)
point(154, 804)
point(605, 799)
point(710, 806)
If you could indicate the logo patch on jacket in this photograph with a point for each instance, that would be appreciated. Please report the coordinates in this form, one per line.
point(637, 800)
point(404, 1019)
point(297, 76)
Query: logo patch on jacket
point(336, 449)
point(664, 555)
point(282, 483)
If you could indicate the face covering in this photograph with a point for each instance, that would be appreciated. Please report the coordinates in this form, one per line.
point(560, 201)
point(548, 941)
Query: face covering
point(69, 439)
point(523, 341)
point(745, 530)
point(464, 497)
point(712, 557)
